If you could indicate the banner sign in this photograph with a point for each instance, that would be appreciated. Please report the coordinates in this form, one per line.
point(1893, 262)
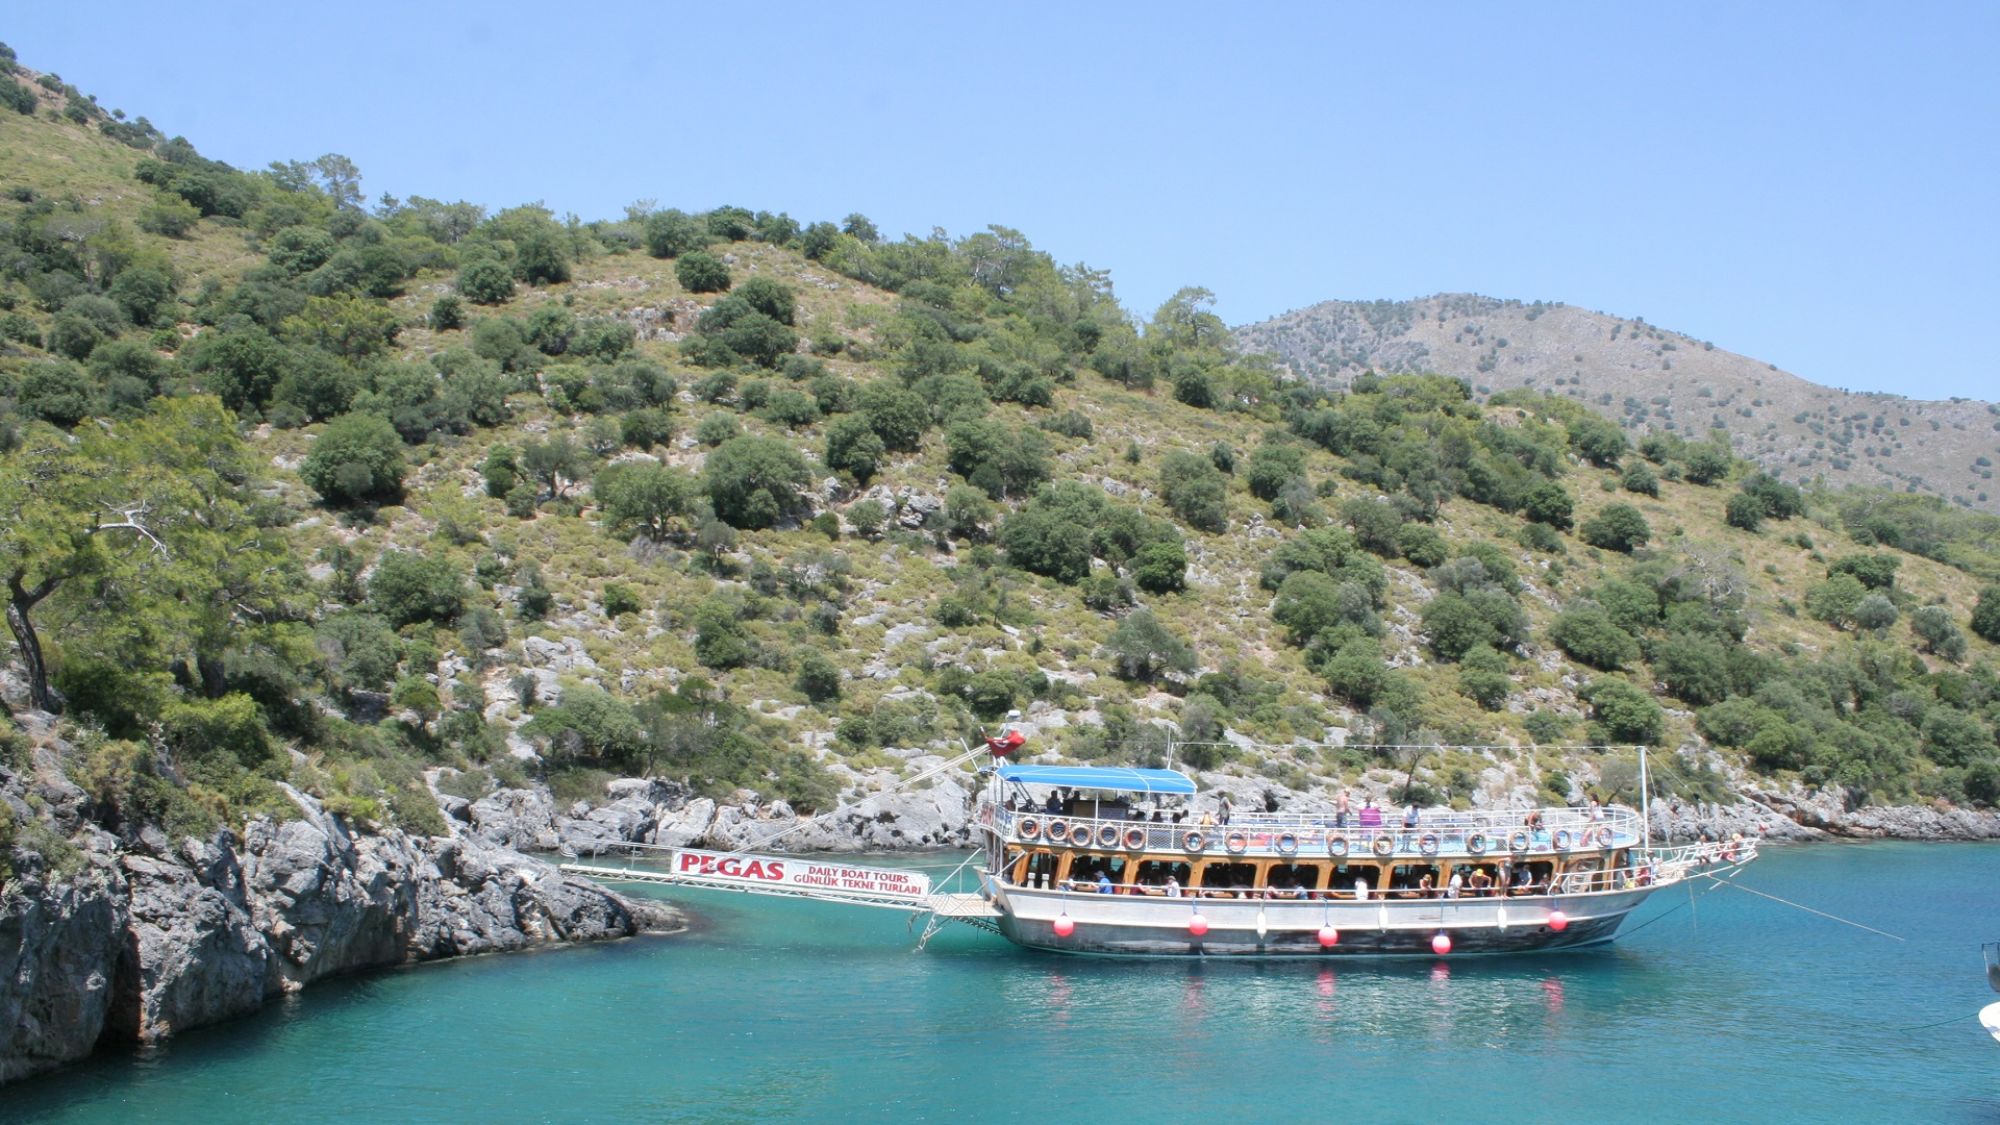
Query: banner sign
point(798, 873)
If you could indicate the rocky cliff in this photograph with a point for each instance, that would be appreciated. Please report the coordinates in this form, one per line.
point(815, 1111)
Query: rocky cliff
point(103, 939)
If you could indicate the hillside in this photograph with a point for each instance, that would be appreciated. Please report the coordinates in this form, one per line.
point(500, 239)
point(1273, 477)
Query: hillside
point(1651, 379)
point(297, 489)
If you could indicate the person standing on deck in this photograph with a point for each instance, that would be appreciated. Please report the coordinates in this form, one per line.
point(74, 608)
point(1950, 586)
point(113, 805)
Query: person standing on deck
point(1010, 737)
point(1340, 810)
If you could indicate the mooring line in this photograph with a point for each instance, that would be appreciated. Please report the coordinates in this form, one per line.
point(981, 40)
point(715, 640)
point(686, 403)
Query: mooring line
point(1940, 1023)
point(1802, 906)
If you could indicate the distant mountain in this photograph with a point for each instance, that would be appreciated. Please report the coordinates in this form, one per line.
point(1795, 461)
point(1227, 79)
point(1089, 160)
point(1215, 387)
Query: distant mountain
point(1649, 378)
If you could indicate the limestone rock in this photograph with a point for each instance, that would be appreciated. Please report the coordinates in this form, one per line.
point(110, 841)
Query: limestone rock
point(59, 942)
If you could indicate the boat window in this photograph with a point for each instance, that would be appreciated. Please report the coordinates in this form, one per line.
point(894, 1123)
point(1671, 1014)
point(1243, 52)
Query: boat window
point(1228, 879)
point(1407, 880)
point(1154, 873)
point(1084, 870)
point(1347, 874)
point(1041, 870)
point(1295, 876)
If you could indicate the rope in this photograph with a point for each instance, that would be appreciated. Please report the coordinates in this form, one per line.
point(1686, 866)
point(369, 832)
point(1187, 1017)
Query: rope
point(1802, 906)
point(1928, 1026)
point(1688, 905)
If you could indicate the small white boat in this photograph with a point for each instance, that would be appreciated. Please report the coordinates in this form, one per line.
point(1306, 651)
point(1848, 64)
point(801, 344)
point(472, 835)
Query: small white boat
point(1989, 1016)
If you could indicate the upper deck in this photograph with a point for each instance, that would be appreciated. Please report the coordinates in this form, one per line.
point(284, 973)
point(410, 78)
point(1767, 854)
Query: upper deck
point(1085, 826)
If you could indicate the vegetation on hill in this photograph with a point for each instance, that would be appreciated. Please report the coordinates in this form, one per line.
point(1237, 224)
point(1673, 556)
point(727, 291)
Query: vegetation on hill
point(1652, 381)
point(294, 488)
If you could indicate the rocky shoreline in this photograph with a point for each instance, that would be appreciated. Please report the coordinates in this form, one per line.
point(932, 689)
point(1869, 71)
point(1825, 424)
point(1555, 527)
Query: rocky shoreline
point(105, 940)
point(131, 941)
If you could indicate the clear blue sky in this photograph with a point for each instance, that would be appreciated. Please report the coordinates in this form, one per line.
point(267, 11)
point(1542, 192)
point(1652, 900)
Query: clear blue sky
point(1810, 184)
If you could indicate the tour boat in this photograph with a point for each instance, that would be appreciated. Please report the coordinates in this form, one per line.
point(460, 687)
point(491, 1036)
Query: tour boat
point(1089, 859)
point(1082, 859)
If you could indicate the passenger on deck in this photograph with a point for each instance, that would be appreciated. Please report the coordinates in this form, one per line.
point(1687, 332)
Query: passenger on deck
point(1010, 737)
point(1596, 810)
point(1427, 886)
point(1481, 884)
point(1173, 886)
point(1340, 809)
point(1361, 889)
point(1524, 880)
point(1222, 808)
point(1103, 883)
point(1053, 805)
point(1371, 817)
point(1533, 821)
point(1410, 816)
point(1456, 885)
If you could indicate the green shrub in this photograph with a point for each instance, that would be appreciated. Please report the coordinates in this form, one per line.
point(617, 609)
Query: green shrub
point(1624, 713)
point(754, 482)
point(408, 588)
point(818, 677)
point(1619, 527)
point(358, 457)
point(1160, 568)
point(1588, 634)
point(701, 272)
point(1985, 621)
point(619, 600)
point(484, 281)
point(1548, 503)
point(1143, 649)
point(209, 730)
point(1422, 545)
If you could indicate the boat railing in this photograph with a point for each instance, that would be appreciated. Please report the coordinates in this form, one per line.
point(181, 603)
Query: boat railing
point(1660, 867)
point(1321, 834)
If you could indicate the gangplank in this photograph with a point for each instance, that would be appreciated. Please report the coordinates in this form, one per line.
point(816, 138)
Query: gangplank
point(819, 879)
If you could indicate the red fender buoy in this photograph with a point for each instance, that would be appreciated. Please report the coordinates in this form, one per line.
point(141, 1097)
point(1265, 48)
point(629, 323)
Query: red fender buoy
point(1328, 937)
point(1197, 925)
point(1441, 944)
point(1065, 925)
point(1558, 921)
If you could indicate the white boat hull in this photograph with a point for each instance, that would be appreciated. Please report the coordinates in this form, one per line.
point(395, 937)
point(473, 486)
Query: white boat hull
point(1150, 926)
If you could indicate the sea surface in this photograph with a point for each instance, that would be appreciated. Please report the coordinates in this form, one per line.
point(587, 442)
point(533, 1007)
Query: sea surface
point(1734, 1008)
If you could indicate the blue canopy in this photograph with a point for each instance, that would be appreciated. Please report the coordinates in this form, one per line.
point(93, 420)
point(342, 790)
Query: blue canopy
point(1100, 777)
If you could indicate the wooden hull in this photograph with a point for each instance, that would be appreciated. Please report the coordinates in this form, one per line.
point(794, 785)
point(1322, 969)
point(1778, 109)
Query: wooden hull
point(1123, 925)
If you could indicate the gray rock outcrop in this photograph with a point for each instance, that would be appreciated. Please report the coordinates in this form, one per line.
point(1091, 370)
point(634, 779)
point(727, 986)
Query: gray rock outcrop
point(136, 940)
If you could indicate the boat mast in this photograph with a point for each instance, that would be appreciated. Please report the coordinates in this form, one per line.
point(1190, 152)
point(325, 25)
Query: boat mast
point(1645, 805)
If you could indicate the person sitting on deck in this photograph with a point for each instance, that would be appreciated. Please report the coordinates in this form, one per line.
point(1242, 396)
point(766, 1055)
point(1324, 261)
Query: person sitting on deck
point(1173, 887)
point(1103, 883)
point(1010, 737)
point(1524, 880)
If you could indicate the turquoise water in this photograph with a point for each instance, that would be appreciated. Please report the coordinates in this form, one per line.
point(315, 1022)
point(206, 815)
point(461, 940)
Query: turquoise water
point(1737, 1009)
